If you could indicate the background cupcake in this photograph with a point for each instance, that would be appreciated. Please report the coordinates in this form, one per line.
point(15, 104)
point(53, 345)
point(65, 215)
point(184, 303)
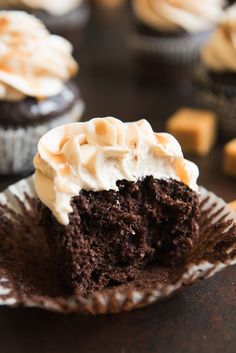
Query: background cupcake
point(173, 31)
point(216, 76)
point(67, 18)
point(36, 93)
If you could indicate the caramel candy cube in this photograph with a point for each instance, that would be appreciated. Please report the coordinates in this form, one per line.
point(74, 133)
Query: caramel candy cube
point(230, 158)
point(194, 129)
point(233, 205)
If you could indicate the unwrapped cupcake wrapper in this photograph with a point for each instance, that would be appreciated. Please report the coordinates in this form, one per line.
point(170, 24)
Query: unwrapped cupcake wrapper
point(18, 146)
point(173, 50)
point(28, 277)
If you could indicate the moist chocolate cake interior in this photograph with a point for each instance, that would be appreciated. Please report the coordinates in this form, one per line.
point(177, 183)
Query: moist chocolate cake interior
point(112, 234)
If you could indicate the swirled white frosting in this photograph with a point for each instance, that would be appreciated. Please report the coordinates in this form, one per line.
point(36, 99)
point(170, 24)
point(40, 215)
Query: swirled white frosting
point(54, 7)
point(32, 61)
point(173, 15)
point(219, 54)
point(96, 154)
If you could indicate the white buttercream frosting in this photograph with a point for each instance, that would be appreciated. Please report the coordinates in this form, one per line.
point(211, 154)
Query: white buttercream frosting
point(32, 61)
point(173, 15)
point(54, 7)
point(96, 154)
point(219, 54)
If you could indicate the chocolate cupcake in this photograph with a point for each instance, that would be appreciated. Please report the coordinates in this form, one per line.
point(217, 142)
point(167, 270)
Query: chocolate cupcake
point(67, 18)
point(36, 91)
point(170, 32)
point(114, 198)
point(215, 78)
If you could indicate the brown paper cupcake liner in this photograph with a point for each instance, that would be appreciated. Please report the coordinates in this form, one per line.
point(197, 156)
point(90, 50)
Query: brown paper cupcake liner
point(174, 50)
point(224, 106)
point(18, 146)
point(28, 277)
point(220, 98)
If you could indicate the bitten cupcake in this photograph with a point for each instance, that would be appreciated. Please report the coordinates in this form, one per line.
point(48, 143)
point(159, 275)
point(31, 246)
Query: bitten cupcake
point(216, 76)
point(67, 18)
point(114, 198)
point(174, 31)
point(36, 92)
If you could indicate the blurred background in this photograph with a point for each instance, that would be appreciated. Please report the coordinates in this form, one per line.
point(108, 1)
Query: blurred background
point(125, 72)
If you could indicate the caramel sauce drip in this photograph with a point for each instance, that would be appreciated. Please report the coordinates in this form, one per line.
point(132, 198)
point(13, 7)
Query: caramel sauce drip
point(161, 139)
point(101, 128)
point(63, 142)
point(65, 171)
point(180, 171)
point(91, 165)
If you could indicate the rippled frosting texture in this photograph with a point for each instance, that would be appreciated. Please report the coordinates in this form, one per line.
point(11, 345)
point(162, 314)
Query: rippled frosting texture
point(32, 61)
point(174, 15)
point(96, 154)
point(54, 7)
point(220, 52)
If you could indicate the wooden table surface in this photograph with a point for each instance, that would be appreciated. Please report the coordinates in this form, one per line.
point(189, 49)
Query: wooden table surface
point(202, 318)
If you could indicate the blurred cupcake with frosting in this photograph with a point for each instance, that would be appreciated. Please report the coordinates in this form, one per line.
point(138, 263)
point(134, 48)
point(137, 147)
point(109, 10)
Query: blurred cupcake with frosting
point(36, 91)
point(173, 31)
point(67, 18)
point(215, 77)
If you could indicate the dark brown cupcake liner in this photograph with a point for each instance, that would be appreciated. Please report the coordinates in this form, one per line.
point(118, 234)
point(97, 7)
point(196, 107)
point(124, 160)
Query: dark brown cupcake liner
point(28, 277)
point(220, 98)
point(173, 50)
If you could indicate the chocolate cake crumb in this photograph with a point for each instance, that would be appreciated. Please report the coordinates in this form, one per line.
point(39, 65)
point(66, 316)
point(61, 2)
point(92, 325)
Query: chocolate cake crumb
point(114, 234)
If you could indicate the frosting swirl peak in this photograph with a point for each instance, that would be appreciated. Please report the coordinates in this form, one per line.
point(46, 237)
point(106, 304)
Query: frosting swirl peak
point(95, 155)
point(174, 15)
point(220, 52)
point(32, 61)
